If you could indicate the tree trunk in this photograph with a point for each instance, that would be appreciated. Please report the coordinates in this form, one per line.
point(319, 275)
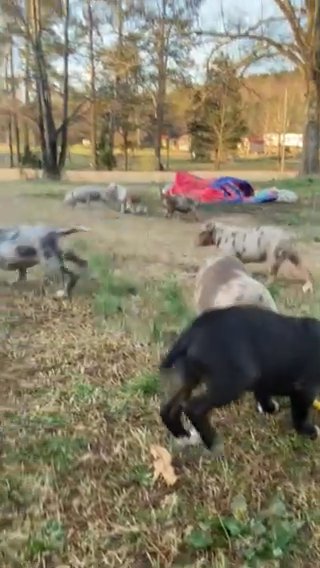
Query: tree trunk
point(162, 55)
point(26, 137)
point(10, 143)
point(63, 130)
point(51, 160)
point(14, 99)
point(126, 157)
point(168, 153)
point(310, 156)
point(93, 90)
point(7, 88)
point(284, 131)
point(310, 164)
point(218, 153)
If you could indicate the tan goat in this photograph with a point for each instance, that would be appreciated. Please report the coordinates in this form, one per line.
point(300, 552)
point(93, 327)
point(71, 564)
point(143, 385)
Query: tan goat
point(224, 281)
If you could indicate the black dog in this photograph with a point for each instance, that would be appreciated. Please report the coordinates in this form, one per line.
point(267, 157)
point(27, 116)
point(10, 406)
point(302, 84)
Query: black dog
point(237, 349)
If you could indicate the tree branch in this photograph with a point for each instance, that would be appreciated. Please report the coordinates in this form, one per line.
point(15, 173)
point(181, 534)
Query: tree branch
point(73, 116)
point(290, 13)
point(257, 34)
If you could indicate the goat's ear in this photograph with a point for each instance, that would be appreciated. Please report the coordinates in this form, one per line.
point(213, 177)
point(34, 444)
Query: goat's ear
point(208, 226)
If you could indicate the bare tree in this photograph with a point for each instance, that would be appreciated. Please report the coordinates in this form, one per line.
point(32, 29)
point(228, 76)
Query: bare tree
point(9, 123)
point(167, 45)
point(93, 92)
point(26, 137)
point(53, 138)
point(14, 100)
point(294, 35)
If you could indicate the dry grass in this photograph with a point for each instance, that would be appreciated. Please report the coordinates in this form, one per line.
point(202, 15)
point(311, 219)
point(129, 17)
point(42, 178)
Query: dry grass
point(79, 412)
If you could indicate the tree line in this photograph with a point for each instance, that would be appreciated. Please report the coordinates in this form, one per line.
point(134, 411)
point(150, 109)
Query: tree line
point(115, 68)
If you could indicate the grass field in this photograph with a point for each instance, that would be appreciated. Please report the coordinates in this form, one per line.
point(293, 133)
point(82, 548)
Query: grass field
point(80, 407)
point(143, 160)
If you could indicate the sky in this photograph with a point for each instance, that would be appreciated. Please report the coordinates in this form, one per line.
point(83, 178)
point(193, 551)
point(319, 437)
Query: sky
point(248, 11)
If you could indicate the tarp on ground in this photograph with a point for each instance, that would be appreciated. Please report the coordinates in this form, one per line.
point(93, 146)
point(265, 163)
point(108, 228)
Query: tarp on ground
point(224, 189)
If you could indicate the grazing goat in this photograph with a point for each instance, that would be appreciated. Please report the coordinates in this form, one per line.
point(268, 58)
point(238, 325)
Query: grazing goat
point(179, 203)
point(112, 193)
point(26, 246)
point(224, 281)
point(242, 348)
point(258, 244)
point(85, 194)
point(129, 203)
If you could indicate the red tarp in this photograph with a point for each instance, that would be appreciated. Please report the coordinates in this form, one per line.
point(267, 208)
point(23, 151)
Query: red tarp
point(210, 190)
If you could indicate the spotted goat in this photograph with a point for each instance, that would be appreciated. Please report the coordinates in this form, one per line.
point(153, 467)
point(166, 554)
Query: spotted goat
point(25, 246)
point(270, 244)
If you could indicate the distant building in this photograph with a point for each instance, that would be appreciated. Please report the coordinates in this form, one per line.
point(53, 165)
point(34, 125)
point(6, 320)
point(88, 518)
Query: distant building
point(251, 145)
point(289, 140)
point(181, 143)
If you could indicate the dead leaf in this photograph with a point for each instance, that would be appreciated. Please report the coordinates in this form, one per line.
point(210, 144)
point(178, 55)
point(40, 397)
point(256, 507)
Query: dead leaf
point(162, 465)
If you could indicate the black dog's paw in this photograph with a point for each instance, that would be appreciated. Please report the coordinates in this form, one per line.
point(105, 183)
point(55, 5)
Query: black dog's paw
point(310, 431)
point(273, 407)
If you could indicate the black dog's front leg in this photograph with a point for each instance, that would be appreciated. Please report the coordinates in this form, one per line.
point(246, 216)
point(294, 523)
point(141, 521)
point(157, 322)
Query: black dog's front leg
point(197, 410)
point(301, 403)
point(171, 415)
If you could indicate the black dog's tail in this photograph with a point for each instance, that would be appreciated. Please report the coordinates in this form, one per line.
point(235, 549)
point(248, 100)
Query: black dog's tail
point(173, 381)
point(178, 350)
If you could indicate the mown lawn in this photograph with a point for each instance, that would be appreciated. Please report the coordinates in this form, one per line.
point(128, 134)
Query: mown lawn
point(79, 408)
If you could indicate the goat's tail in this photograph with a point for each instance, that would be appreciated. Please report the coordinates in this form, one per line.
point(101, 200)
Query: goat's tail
point(72, 230)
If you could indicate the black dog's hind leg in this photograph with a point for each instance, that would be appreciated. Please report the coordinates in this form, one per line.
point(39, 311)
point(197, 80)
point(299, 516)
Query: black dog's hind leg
point(265, 403)
point(219, 393)
point(171, 411)
point(301, 403)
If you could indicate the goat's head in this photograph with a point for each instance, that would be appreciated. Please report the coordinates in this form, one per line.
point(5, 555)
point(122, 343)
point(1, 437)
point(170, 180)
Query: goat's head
point(207, 235)
point(70, 199)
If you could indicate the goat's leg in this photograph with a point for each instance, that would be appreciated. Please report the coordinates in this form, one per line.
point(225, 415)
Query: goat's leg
point(303, 272)
point(71, 281)
point(195, 215)
point(72, 278)
point(274, 268)
point(22, 275)
point(71, 256)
